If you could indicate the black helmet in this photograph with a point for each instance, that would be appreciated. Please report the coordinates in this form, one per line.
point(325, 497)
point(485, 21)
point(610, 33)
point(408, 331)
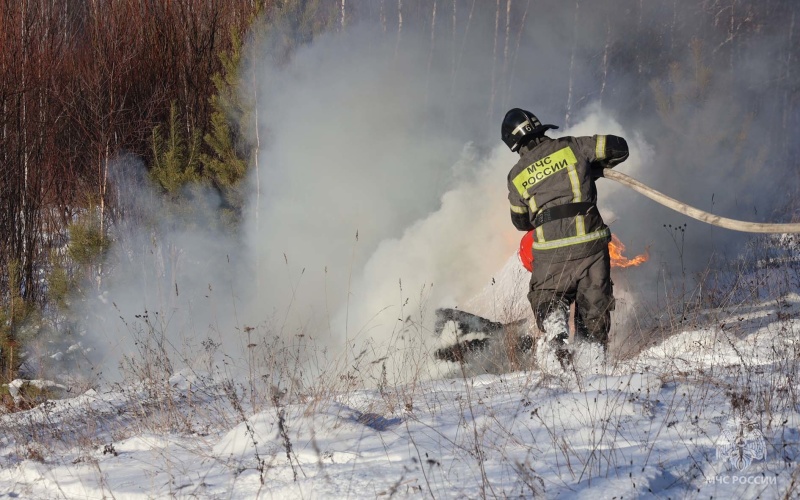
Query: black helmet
point(520, 126)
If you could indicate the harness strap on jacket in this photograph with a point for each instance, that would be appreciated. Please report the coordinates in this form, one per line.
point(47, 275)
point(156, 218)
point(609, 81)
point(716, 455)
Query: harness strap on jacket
point(563, 211)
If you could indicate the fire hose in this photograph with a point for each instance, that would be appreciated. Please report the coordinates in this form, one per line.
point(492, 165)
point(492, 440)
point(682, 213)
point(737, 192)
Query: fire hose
point(695, 213)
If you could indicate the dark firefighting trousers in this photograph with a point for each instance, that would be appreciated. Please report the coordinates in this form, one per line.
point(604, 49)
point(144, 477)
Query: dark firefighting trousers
point(586, 282)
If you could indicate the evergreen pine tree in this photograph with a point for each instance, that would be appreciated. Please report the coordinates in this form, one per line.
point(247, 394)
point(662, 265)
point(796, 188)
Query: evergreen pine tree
point(176, 159)
point(225, 166)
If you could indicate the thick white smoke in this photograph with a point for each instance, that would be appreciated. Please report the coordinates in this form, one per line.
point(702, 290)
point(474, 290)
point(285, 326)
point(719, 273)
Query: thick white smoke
point(355, 150)
point(372, 211)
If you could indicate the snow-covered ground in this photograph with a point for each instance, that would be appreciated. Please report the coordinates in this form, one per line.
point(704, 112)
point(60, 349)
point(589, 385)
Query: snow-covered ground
point(711, 411)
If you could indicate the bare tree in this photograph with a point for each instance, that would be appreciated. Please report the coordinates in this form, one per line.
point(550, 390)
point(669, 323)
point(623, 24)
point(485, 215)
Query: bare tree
point(568, 114)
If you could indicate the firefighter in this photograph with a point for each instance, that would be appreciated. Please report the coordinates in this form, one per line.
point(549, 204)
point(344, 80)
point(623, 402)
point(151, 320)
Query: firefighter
point(552, 192)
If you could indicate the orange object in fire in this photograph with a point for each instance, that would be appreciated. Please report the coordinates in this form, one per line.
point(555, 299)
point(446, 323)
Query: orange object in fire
point(615, 250)
point(526, 251)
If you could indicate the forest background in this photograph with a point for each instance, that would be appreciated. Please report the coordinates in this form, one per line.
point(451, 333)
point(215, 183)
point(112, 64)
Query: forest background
point(90, 90)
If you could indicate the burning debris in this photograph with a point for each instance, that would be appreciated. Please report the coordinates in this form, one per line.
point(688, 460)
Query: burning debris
point(471, 333)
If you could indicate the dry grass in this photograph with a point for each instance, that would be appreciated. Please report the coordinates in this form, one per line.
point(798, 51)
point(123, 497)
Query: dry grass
point(174, 390)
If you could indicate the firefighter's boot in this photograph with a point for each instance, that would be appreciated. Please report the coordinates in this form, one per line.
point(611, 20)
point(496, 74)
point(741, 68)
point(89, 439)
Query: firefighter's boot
point(553, 350)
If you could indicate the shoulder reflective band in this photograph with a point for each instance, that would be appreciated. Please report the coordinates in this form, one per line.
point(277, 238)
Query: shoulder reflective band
point(600, 147)
point(543, 169)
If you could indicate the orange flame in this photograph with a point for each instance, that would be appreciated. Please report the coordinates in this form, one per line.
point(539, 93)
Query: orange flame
point(616, 249)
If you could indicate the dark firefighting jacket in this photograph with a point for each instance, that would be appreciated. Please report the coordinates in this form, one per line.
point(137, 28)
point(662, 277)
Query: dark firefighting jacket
point(552, 190)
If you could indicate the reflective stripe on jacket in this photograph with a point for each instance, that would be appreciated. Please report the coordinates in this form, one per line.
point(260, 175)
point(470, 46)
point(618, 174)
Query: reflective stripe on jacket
point(554, 172)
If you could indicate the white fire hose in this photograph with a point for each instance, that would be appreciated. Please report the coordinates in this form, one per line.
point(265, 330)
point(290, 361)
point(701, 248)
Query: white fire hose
point(695, 213)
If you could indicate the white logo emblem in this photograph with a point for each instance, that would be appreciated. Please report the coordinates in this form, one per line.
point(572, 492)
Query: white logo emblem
point(741, 443)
